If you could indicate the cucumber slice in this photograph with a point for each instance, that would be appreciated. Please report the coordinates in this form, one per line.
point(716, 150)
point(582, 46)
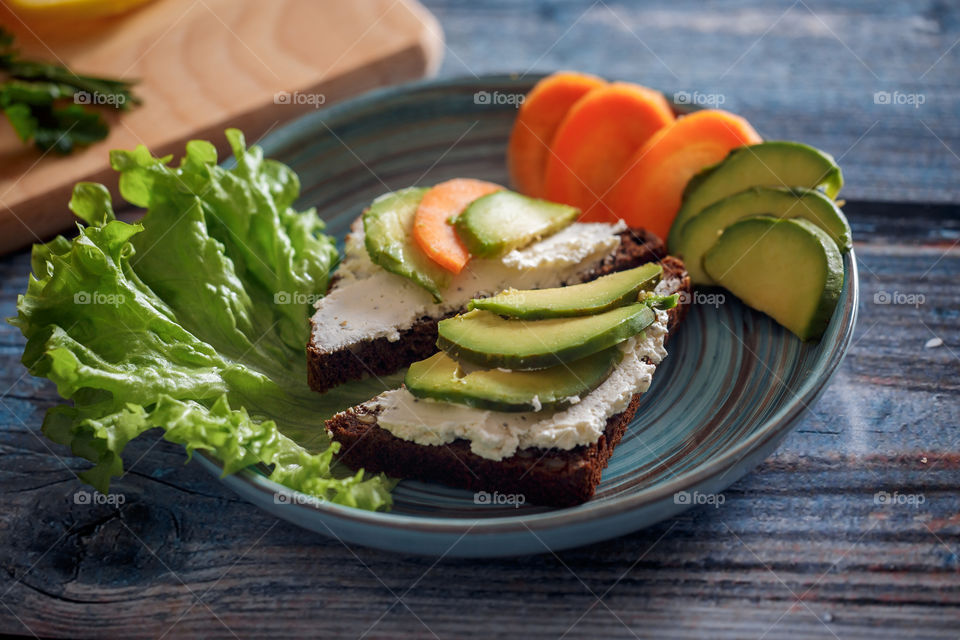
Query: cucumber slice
point(388, 235)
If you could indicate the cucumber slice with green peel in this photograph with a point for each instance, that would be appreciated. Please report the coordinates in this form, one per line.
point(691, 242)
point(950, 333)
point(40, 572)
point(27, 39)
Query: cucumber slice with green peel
point(495, 224)
point(789, 268)
point(701, 231)
point(772, 164)
point(489, 340)
point(440, 377)
point(388, 235)
point(604, 293)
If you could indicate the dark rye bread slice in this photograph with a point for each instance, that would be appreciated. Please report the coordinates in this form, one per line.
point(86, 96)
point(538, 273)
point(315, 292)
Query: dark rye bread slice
point(327, 369)
point(549, 477)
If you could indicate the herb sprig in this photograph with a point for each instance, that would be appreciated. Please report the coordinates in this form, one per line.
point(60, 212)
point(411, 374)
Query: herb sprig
point(34, 95)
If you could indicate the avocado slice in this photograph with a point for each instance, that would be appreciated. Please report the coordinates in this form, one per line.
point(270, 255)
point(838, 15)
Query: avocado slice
point(497, 223)
point(442, 378)
point(702, 230)
point(774, 164)
point(602, 294)
point(388, 233)
point(789, 268)
point(489, 340)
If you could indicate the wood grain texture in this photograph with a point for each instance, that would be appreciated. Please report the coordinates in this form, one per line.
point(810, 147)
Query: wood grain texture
point(799, 549)
point(803, 71)
point(204, 65)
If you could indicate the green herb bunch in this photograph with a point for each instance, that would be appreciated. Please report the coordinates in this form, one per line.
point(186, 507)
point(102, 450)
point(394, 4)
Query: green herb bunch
point(51, 105)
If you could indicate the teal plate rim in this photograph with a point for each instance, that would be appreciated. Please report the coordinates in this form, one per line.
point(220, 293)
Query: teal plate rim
point(766, 435)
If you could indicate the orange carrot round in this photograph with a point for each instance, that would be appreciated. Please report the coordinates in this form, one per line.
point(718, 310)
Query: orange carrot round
point(648, 194)
point(537, 121)
point(595, 141)
point(431, 227)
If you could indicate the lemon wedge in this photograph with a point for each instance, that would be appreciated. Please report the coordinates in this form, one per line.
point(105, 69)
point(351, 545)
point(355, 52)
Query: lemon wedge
point(72, 9)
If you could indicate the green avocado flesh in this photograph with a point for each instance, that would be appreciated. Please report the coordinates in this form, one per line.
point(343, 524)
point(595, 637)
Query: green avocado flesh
point(495, 224)
point(788, 268)
point(702, 231)
point(774, 164)
point(388, 232)
point(442, 378)
point(602, 294)
point(492, 341)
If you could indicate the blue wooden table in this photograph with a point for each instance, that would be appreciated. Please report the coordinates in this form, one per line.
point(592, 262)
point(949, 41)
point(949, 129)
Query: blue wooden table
point(852, 529)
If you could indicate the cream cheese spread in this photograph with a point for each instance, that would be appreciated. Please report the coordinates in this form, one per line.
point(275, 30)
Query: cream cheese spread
point(496, 435)
point(369, 302)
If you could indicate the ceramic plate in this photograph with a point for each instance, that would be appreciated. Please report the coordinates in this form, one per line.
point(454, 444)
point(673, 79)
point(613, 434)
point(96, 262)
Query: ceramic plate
point(732, 387)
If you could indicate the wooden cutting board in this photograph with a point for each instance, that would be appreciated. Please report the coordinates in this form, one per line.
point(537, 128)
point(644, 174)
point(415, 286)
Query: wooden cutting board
point(204, 65)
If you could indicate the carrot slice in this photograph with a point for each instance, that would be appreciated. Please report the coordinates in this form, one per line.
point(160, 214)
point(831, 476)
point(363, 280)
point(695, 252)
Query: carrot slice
point(431, 229)
point(648, 194)
point(596, 139)
point(537, 121)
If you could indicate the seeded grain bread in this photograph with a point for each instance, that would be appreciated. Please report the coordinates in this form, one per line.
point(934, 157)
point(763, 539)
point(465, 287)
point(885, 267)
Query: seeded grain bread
point(327, 369)
point(548, 477)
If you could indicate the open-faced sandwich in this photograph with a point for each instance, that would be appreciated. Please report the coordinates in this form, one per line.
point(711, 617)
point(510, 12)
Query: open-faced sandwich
point(531, 388)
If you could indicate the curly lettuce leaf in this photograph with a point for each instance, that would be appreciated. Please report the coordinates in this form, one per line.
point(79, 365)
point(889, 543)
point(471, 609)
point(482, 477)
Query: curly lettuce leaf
point(193, 320)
